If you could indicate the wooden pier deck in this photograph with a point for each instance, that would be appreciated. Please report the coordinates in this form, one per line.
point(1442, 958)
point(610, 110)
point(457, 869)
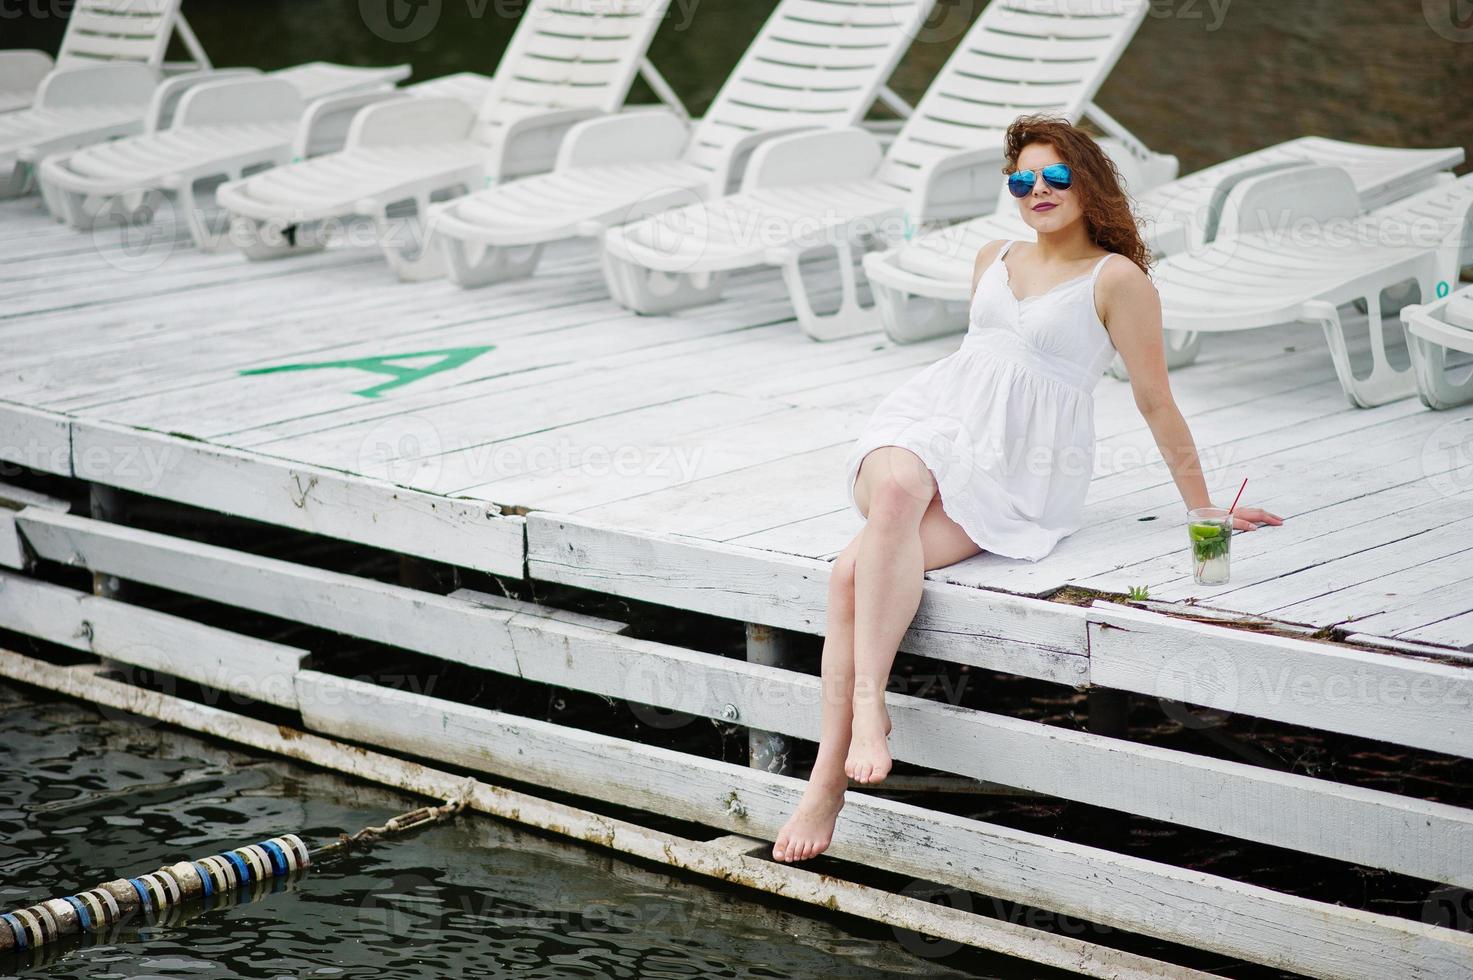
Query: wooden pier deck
point(682, 447)
point(535, 430)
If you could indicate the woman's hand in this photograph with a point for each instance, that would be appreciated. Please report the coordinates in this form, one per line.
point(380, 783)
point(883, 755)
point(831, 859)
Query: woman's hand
point(1248, 518)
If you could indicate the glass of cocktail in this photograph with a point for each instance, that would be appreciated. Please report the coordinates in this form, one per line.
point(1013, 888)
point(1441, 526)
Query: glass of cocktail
point(1210, 530)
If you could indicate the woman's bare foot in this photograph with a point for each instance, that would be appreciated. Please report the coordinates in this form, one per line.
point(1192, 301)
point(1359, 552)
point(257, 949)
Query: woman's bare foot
point(810, 829)
point(869, 753)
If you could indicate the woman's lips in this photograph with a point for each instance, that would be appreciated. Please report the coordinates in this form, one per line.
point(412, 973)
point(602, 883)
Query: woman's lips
point(1044, 207)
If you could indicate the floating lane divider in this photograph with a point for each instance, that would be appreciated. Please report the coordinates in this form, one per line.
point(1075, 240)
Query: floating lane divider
point(118, 902)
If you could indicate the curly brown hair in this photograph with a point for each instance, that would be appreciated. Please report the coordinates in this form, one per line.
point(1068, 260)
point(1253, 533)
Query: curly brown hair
point(1108, 216)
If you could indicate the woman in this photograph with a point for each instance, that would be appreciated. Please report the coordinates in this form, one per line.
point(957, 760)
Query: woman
point(992, 446)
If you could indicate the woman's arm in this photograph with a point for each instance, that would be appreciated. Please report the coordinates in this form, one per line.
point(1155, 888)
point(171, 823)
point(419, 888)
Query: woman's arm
point(1131, 312)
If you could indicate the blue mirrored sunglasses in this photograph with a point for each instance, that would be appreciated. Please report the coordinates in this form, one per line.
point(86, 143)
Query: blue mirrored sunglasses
point(1057, 176)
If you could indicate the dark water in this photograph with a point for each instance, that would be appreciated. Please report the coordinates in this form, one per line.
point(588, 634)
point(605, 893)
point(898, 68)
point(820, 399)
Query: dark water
point(1204, 79)
point(88, 795)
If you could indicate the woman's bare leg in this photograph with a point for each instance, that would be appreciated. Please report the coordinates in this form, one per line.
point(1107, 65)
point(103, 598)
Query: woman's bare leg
point(906, 533)
point(811, 827)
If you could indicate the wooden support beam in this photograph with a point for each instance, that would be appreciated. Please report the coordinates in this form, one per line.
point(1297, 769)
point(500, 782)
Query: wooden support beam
point(108, 505)
point(769, 751)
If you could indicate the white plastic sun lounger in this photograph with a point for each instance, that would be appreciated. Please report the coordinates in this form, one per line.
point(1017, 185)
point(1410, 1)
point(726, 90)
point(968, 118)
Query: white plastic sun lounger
point(100, 31)
point(812, 66)
point(81, 106)
point(75, 107)
point(564, 65)
point(828, 192)
point(923, 286)
point(1432, 331)
point(235, 126)
point(106, 77)
point(220, 129)
point(1303, 250)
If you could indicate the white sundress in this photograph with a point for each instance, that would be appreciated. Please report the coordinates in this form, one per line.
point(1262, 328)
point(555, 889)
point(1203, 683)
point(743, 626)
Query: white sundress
point(1006, 422)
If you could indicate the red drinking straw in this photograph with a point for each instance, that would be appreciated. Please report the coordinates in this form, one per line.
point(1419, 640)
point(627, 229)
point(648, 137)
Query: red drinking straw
point(1239, 496)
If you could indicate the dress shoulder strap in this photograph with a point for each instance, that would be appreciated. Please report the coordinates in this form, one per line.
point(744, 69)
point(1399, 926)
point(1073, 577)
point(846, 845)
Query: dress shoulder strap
point(1004, 250)
point(1100, 265)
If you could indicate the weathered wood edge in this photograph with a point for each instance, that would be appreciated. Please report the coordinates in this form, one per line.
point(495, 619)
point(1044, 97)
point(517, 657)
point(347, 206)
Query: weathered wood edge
point(995, 630)
point(1330, 686)
point(36, 439)
point(256, 669)
point(470, 533)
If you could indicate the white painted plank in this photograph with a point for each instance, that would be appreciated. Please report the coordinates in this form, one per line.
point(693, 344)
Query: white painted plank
point(137, 278)
point(1403, 645)
point(35, 439)
point(1432, 605)
point(489, 601)
point(868, 371)
point(1327, 686)
point(1452, 632)
point(13, 500)
point(1031, 637)
point(12, 552)
point(811, 537)
point(1382, 434)
point(320, 501)
point(465, 632)
point(1352, 585)
point(604, 466)
point(1200, 910)
point(635, 435)
point(1323, 534)
point(861, 393)
point(775, 493)
point(240, 665)
point(1416, 594)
